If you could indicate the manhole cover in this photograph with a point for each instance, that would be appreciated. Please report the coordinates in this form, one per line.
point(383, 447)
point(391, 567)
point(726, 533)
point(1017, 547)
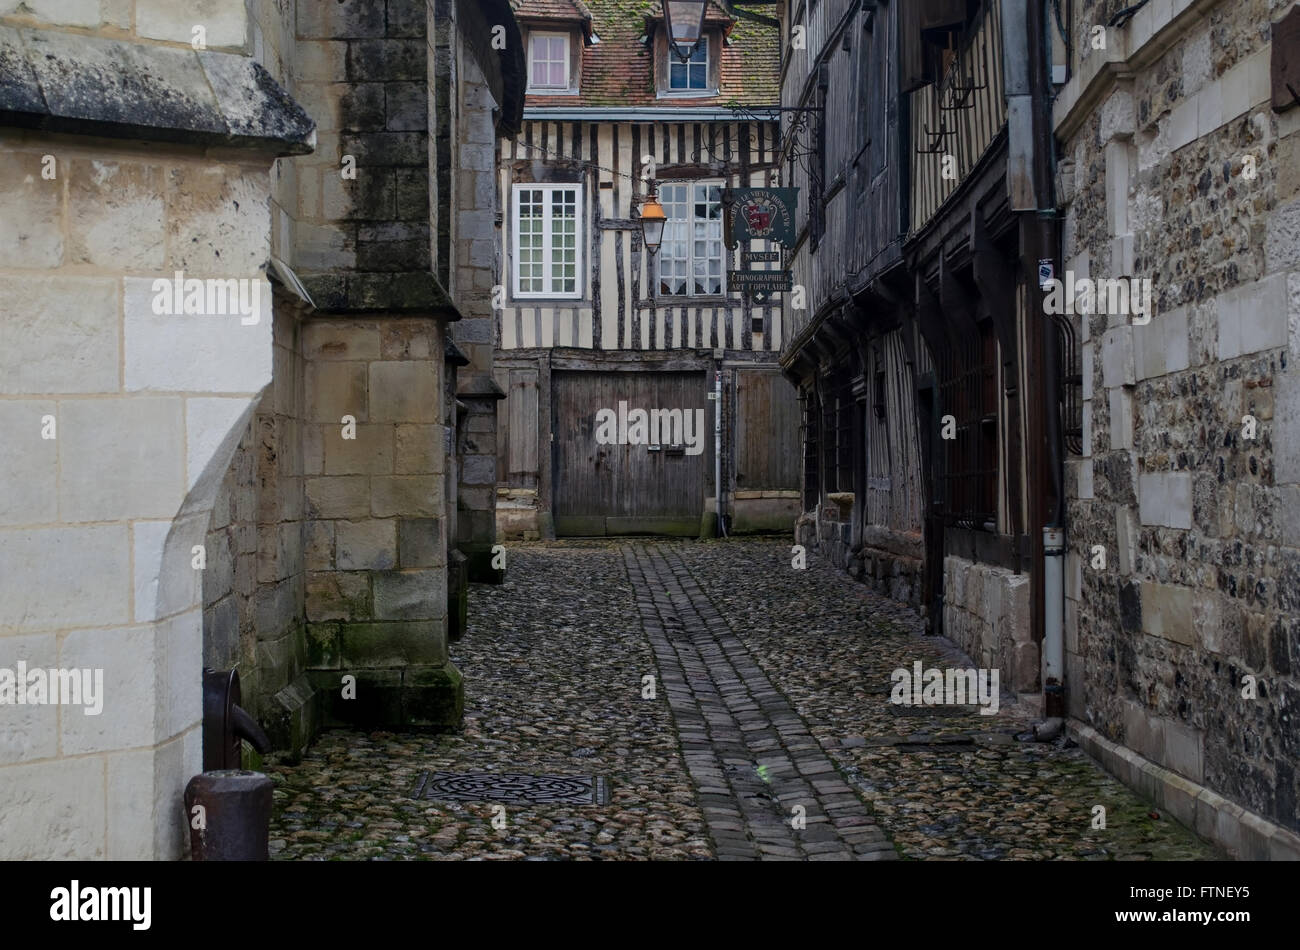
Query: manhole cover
point(508, 787)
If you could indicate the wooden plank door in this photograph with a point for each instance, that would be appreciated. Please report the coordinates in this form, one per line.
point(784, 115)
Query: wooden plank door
point(626, 489)
point(767, 432)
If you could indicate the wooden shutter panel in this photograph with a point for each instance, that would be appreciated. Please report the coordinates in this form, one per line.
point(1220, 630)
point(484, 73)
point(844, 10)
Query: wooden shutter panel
point(914, 17)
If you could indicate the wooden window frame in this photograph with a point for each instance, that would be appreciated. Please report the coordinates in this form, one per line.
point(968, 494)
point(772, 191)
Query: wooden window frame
point(569, 84)
point(702, 45)
point(664, 59)
point(547, 243)
point(659, 295)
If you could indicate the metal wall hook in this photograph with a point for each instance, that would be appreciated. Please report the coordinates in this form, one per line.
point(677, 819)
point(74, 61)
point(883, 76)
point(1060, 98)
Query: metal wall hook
point(937, 140)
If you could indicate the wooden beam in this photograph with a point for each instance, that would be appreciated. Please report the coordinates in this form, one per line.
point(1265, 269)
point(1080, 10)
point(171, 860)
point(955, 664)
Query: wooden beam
point(995, 279)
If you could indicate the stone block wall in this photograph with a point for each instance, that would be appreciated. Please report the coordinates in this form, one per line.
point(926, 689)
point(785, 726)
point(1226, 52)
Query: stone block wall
point(376, 598)
point(171, 474)
point(763, 511)
point(363, 196)
point(1184, 174)
point(986, 613)
point(888, 562)
point(225, 22)
point(272, 27)
point(255, 586)
point(475, 270)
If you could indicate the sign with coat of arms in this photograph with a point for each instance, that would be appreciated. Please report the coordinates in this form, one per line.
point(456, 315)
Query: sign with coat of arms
point(763, 214)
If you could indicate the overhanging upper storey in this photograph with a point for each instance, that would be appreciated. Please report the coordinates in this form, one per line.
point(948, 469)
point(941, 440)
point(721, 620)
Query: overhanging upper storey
point(952, 70)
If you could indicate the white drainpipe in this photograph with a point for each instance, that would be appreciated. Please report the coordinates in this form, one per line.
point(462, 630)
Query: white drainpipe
point(717, 447)
point(1054, 622)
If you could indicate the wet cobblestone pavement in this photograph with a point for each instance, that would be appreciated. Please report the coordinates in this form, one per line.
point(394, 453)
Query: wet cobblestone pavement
point(553, 662)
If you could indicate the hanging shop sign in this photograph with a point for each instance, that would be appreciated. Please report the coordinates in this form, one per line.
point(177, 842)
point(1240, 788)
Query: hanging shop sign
point(763, 214)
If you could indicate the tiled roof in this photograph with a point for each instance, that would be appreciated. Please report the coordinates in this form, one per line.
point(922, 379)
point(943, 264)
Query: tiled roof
point(551, 10)
point(618, 70)
point(714, 14)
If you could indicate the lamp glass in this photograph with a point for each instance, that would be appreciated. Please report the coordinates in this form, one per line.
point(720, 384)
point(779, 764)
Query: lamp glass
point(654, 234)
point(685, 20)
point(652, 222)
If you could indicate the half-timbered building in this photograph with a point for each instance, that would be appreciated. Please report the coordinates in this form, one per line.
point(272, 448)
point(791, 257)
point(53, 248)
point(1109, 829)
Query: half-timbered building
point(589, 320)
point(936, 398)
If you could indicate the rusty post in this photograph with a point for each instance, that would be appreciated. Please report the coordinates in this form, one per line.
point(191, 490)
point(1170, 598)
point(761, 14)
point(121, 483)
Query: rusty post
point(229, 814)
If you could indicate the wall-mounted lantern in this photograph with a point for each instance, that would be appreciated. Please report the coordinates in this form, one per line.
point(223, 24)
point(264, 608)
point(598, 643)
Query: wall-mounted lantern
point(653, 220)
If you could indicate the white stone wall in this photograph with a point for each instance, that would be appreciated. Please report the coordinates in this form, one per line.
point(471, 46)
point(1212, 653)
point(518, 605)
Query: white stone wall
point(986, 613)
point(225, 23)
point(98, 523)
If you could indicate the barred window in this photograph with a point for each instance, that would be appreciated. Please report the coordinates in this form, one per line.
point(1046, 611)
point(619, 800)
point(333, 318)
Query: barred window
point(969, 393)
point(838, 415)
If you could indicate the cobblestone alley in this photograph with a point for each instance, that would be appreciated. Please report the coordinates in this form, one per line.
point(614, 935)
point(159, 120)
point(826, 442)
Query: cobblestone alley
point(770, 735)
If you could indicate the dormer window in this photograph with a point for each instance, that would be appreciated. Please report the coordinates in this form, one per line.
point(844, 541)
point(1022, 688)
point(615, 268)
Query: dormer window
point(696, 77)
point(692, 74)
point(549, 61)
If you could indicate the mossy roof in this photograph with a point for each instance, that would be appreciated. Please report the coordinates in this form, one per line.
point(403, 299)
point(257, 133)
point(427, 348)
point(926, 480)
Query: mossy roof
point(619, 70)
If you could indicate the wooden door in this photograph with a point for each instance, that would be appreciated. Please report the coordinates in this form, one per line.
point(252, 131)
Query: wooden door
point(623, 488)
point(767, 432)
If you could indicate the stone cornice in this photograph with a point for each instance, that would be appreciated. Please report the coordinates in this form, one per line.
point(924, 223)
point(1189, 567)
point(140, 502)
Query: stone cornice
point(1135, 47)
point(90, 85)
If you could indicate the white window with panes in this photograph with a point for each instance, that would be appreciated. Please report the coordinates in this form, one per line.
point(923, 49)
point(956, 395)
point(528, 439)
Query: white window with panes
point(548, 66)
point(691, 261)
point(548, 252)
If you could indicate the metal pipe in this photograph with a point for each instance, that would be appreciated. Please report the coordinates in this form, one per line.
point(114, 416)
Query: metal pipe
point(1049, 247)
point(1054, 635)
point(1048, 241)
point(717, 448)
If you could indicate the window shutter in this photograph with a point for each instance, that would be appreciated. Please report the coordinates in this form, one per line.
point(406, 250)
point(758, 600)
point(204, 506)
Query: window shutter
point(915, 17)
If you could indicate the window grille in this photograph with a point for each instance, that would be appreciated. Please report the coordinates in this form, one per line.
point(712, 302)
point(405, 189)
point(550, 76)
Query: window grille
point(968, 392)
point(1071, 395)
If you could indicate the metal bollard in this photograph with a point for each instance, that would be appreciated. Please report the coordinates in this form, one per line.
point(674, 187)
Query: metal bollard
point(235, 817)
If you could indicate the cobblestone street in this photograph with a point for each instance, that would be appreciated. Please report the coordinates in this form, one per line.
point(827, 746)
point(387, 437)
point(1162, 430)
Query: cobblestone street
point(771, 705)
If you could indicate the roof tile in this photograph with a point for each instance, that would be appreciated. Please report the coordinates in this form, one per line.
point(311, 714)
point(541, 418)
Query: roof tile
point(618, 70)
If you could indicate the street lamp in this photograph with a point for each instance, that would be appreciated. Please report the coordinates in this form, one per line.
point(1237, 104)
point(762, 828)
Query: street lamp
point(653, 220)
point(685, 20)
